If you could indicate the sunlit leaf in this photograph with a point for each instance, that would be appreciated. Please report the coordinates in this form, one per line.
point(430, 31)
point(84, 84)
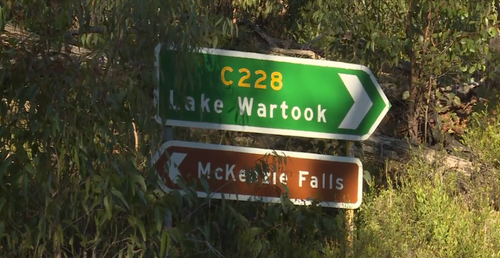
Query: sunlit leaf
point(142, 229)
point(107, 206)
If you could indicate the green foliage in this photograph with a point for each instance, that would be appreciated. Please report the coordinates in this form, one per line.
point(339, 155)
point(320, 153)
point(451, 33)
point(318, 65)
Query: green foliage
point(427, 216)
point(439, 44)
point(77, 134)
point(432, 212)
point(220, 228)
point(484, 136)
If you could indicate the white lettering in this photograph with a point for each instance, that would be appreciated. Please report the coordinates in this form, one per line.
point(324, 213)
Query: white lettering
point(331, 181)
point(321, 114)
point(203, 171)
point(324, 180)
point(265, 179)
point(229, 171)
point(340, 184)
point(254, 176)
point(218, 176)
point(190, 103)
point(218, 105)
point(172, 100)
point(283, 178)
point(308, 114)
point(314, 182)
point(272, 107)
point(261, 111)
point(301, 176)
point(242, 176)
point(296, 113)
point(204, 103)
point(284, 107)
point(245, 105)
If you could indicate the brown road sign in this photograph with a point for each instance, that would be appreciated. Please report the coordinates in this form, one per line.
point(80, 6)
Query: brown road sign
point(334, 181)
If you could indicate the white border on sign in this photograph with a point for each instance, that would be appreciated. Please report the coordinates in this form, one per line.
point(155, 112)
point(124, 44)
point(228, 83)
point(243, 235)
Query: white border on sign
point(249, 150)
point(253, 129)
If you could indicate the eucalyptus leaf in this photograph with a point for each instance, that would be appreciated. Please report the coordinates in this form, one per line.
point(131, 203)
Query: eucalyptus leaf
point(367, 177)
point(406, 95)
point(78, 81)
point(120, 195)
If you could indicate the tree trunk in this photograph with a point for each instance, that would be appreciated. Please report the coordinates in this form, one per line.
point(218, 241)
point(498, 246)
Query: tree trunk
point(413, 112)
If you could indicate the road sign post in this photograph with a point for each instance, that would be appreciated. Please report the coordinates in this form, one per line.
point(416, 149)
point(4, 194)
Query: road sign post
point(168, 135)
point(349, 214)
point(240, 91)
point(334, 181)
point(250, 92)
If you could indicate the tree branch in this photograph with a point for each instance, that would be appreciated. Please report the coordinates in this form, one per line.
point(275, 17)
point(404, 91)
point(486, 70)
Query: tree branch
point(91, 29)
point(309, 44)
point(13, 31)
point(300, 52)
point(273, 44)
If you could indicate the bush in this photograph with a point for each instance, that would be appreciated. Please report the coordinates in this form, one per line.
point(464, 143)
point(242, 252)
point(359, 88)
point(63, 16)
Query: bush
point(76, 134)
point(427, 217)
point(436, 213)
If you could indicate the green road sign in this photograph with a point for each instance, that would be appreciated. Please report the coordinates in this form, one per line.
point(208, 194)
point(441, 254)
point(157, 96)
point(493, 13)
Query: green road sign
point(240, 91)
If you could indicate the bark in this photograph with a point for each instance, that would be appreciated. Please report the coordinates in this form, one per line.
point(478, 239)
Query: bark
point(413, 112)
point(283, 47)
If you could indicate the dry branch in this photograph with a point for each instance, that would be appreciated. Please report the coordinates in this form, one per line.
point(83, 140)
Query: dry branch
point(384, 147)
point(290, 52)
point(136, 137)
point(98, 30)
point(273, 44)
point(377, 147)
point(12, 31)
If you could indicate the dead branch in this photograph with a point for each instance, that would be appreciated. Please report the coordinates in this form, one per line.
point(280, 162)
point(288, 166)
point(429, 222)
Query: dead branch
point(309, 44)
point(136, 137)
point(385, 147)
point(380, 148)
point(13, 31)
point(280, 46)
point(72, 33)
point(299, 52)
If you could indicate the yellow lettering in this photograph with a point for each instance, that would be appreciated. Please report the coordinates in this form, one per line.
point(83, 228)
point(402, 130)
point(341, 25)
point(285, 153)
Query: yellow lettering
point(222, 77)
point(258, 81)
point(242, 83)
point(276, 78)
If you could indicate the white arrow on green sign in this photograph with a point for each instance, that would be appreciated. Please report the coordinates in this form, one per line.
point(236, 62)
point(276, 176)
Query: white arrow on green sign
point(241, 91)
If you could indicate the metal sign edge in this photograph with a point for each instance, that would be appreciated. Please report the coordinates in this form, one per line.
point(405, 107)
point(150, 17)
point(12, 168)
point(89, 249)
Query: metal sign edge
point(296, 60)
point(250, 150)
point(263, 130)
